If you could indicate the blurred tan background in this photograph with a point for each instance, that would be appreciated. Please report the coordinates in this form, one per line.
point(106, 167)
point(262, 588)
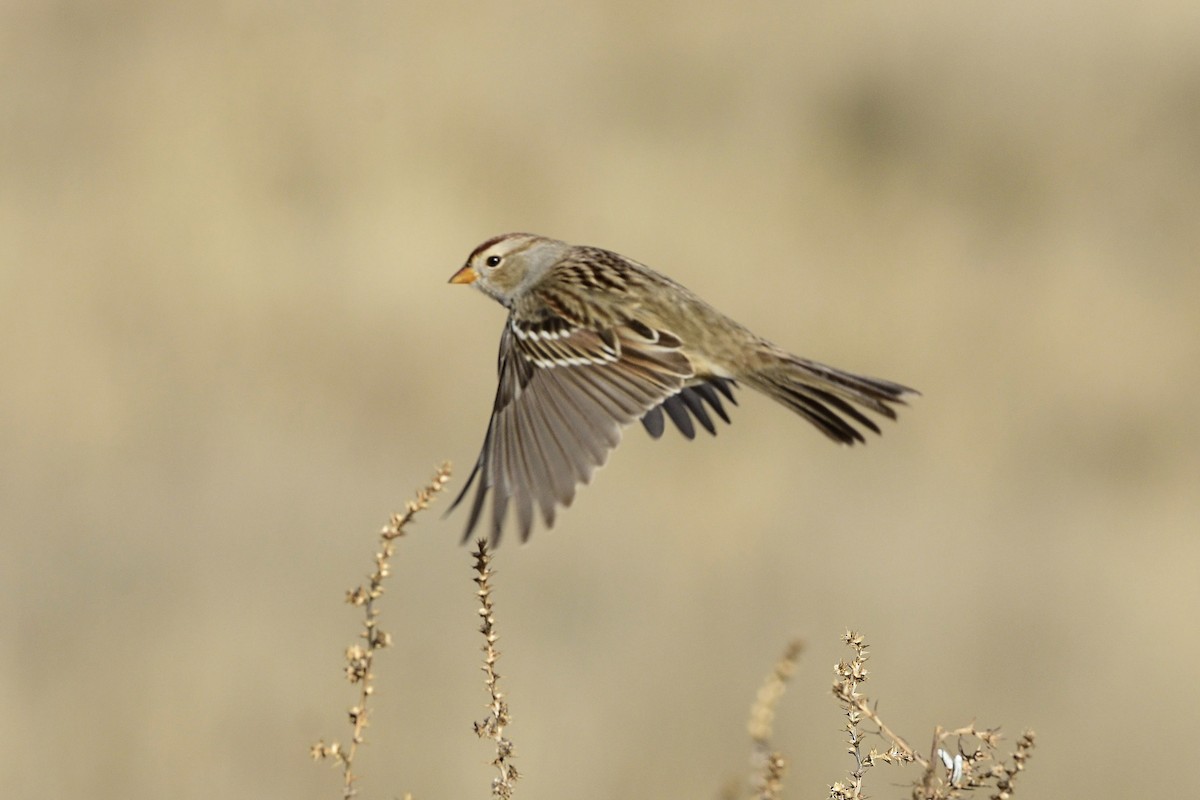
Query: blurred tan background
point(229, 352)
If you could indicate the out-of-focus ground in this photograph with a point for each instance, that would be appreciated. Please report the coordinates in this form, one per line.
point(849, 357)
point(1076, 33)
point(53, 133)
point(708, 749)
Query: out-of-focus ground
point(228, 351)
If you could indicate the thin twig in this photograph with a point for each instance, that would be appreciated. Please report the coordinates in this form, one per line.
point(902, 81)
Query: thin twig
point(360, 657)
point(493, 725)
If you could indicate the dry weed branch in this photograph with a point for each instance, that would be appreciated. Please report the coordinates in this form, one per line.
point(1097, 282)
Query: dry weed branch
point(492, 726)
point(360, 657)
point(973, 763)
point(768, 764)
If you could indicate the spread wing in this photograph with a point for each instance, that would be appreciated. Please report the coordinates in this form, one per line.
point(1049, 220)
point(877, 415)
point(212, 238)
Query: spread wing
point(565, 393)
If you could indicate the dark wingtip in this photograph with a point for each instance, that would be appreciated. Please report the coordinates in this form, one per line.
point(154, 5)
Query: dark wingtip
point(652, 421)
point(692, 402)
point(678, 413)
point(709, 395)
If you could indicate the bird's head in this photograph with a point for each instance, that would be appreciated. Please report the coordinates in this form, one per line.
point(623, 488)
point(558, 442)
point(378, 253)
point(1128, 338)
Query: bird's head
point(505, 266)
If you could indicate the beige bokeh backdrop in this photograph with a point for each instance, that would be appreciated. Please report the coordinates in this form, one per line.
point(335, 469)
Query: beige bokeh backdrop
point(229, 351)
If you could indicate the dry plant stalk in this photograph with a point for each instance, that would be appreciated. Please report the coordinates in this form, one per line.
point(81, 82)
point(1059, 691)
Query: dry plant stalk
point(768, 764)
point(361, 657)
point(974, 764)
point(492, 726)
point(850, 676)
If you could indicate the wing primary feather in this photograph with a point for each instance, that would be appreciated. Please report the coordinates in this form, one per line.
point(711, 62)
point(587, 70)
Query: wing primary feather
point(466, 487)
point(679, 415)
point(589, 428)
point(652, 421)
point(558, 459)
point(696, 406)
point(540, 481)
point(499, 472)
point(706, 391)
point(481, 491)
point(592, 437)
point(523, 480)
point(478, 473)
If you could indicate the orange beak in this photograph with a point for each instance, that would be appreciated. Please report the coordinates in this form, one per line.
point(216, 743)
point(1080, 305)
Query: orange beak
point(465, 275)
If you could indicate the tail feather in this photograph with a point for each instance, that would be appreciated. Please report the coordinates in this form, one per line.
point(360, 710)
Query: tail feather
point(826, 396)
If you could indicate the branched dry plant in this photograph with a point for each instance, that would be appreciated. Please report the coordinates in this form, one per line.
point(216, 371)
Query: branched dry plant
point(850, 676)
point(492, 726)
point(360, 657)
point(973, 762)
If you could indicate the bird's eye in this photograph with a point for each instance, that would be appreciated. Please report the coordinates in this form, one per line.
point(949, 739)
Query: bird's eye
point(493, 261)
